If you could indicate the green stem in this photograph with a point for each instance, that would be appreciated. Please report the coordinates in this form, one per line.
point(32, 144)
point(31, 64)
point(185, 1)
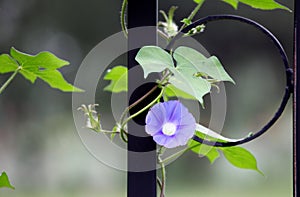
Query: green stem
point(159, 183)
point(192, 15)
point(143, 97)
point(4, 86)
point(105, 131)
point(160, 83)
point(165, 78)
point(163, 172)
point(163, 181)
point(136, 102)
point(123, 20)
point(124, 136)
point(142, 110)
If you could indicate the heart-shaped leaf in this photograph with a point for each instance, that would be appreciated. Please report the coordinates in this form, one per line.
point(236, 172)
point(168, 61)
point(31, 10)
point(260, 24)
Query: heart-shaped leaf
point(154, 59)
point(190, 60)
point(187, 75)
point(185, 81)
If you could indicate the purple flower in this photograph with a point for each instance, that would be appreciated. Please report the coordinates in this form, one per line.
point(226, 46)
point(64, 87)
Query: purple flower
point(170, 123)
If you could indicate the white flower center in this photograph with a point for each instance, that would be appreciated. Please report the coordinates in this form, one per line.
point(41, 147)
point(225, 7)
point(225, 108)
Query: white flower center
point(169, 129)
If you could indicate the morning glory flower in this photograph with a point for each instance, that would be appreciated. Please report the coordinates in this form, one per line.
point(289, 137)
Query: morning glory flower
point(170, 123)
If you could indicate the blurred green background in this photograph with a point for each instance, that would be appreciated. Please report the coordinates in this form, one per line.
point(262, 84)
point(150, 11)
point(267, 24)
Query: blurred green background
point(42, 152)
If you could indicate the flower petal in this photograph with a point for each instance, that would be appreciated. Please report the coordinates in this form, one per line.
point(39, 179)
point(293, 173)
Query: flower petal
point(158, 111)
point(153, 125)
point(172, 142)
point(160, 139)
point(187, 120)
point(172, 108)
point(170, 112)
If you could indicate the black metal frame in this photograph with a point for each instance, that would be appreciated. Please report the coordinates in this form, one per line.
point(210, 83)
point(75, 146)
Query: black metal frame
point(140, 184)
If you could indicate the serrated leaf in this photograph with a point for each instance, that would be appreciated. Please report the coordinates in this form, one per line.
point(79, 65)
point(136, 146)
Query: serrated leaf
point(7, 64)
point(4, 181)
point(201, 149)
point(154, 59)
point(43, 65)
point(118, 77)
point(241, 158)
point(172, 91)
point(258, 4)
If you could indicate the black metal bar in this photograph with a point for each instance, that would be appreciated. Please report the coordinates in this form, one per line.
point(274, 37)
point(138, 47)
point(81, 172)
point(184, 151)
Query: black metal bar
point(140, 183)
point(288, 71)
point(296, 106)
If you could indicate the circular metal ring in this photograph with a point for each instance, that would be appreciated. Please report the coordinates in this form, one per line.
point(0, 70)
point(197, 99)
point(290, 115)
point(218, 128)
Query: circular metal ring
point(288, 71)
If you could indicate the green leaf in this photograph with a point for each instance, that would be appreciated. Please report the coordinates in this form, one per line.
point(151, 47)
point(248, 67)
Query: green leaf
point(41, 60)
point(258, 4)
point(233, 3)
point(241, 158)
point(185, 75)
point(154, 59)
point(189, 63)
point(237, 156)
point(186, 21)
point(172, 91)
point(4, 181)
point(201, 149)
point(28, 75)
point(193, 61)
point(114, 133)
point(118, 77)
point(198, 1)
point(55, 79)
point(185, 81)
point(43, 65)
point(7, 64)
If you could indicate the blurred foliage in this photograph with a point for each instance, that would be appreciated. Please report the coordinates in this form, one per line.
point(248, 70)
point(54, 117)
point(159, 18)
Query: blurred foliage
point(4, 181)
point(43, 66)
